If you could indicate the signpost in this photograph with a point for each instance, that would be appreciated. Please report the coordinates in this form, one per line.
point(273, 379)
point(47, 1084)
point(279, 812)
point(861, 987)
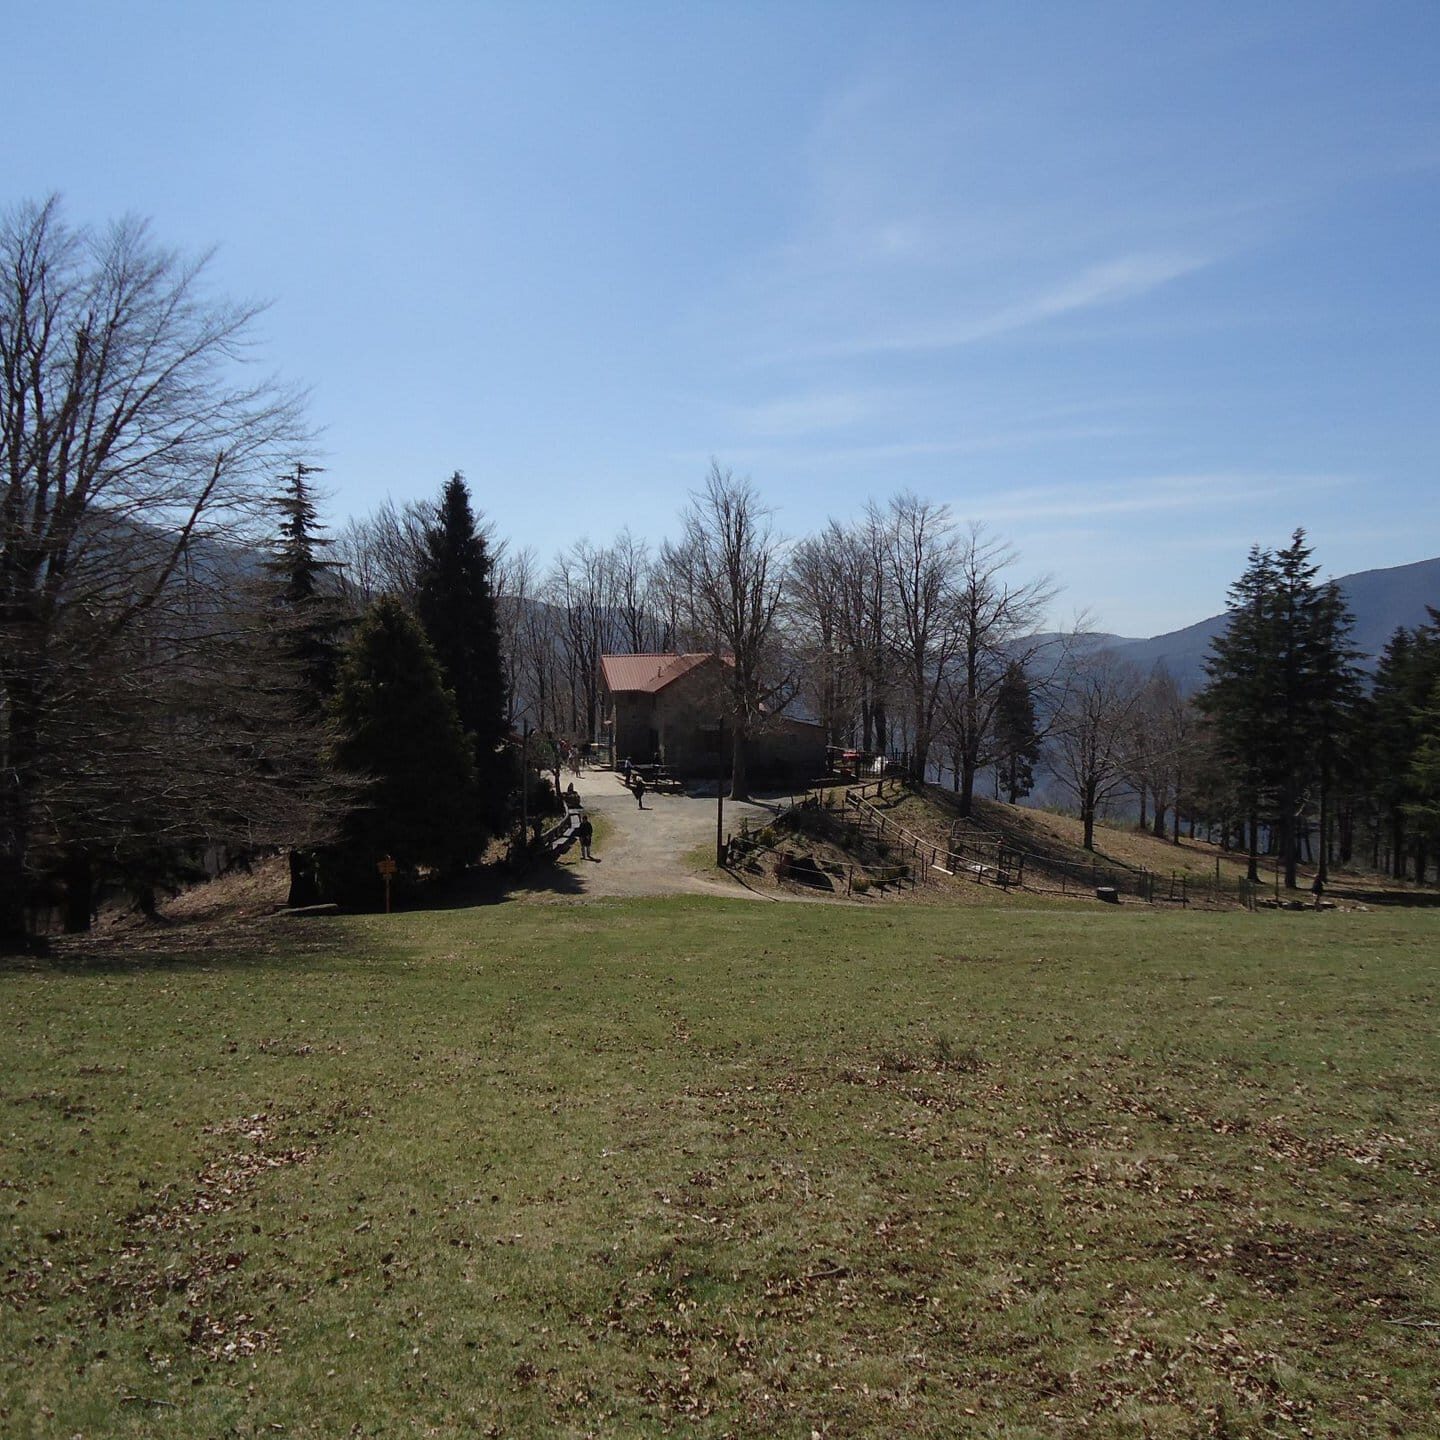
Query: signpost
point(387, 868)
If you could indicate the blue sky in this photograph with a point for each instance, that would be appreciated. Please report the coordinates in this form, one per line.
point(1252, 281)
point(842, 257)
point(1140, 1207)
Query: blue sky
point(1135, 285)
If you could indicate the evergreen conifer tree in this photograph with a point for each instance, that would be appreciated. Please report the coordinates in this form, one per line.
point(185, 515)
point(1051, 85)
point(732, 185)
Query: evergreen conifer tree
point(1423, 777)
point(456, 605)
point(398, 728)
point(307, 623)
point(1281, 691)
point(1405, 678)
point(1016, 735)
point(1238, 695)
point(312, 622)
point(1332, 699)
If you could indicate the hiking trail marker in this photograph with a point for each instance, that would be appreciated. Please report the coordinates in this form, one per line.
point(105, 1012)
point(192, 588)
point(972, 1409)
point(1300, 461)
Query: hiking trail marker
point(387, 868)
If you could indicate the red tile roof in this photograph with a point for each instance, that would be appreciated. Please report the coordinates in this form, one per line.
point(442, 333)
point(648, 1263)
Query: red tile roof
point(647, 672)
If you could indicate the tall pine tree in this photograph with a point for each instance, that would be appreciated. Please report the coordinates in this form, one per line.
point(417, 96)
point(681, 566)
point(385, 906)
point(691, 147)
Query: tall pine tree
point(1408, 672)
point(1237, 698)
point(1016, 734)
point(307, 625)
point(1280, 695)
point(1333, 695)
point(311, 621)
point(456, 604)
point(1423, 777)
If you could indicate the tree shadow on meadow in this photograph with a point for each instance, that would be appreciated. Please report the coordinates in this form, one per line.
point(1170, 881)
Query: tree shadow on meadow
point(1384, 899)
point(495, 885)
point(214, 938)
point(194, 944)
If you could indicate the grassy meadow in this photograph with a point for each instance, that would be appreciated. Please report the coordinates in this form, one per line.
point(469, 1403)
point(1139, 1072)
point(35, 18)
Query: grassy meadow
point(713, 1168)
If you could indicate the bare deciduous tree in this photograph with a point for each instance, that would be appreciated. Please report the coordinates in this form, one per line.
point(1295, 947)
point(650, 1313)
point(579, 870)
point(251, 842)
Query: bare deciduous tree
point(922, 557)
point(818, 597)
point(865, 627)
point(729, 569)
point(129, 440)
point(582, 587)
point(1091, 730)
point(997, 621)
point(384, 553)
point(640, 626)
point(1156, 757)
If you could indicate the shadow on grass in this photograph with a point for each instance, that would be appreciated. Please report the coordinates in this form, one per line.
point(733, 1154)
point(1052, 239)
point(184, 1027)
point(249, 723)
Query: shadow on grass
point(204, 944)
point(217, 938)
point(494, 885)
point(1401, 899)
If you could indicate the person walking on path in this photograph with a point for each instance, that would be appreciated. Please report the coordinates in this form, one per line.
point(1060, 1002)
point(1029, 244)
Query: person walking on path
point(640, 791)
point(585, 833)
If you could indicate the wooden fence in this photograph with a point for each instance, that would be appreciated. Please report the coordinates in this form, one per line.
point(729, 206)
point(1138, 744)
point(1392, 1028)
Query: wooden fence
point(973, 853)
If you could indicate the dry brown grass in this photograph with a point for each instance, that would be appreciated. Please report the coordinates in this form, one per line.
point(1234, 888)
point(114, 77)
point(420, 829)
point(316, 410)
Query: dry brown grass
point(1122, 843)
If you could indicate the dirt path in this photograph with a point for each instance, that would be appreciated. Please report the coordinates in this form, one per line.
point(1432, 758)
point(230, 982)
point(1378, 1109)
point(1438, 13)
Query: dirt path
point(646, 852)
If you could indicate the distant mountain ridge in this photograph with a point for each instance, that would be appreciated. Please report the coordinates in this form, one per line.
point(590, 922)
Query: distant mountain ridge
point(1380, 600)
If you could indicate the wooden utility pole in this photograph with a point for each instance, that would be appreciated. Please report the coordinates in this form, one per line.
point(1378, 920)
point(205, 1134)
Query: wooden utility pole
point(720, 800)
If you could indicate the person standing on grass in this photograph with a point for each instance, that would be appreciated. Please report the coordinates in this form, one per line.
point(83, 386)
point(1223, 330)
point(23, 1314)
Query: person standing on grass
point(585, 833)
point(640, 791)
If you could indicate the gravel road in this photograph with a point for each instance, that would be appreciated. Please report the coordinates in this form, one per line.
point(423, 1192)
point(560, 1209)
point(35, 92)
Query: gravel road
point(645, 851)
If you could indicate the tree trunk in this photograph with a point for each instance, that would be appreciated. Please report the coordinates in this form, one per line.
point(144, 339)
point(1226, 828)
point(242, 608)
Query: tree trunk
point(16, 764)
point(303, 887)
point(1252, 860)
point(1288, 837)
point(966, 785)
point(915, 766)
point(79, 878)
point(13, 934)
point(739, 779)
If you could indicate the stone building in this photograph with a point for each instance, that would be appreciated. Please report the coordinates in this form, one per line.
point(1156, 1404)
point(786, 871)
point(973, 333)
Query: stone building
point(669, 708)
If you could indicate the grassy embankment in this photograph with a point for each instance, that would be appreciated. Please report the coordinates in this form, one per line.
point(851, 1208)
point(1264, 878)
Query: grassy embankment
point(725, 1168)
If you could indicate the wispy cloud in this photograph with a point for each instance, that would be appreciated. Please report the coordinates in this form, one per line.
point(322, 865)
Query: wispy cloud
point(1149, 495)
point(1112, 282)
point(808, 457)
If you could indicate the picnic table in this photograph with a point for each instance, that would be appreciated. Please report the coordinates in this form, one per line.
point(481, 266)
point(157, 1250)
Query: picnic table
point(656, 777)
